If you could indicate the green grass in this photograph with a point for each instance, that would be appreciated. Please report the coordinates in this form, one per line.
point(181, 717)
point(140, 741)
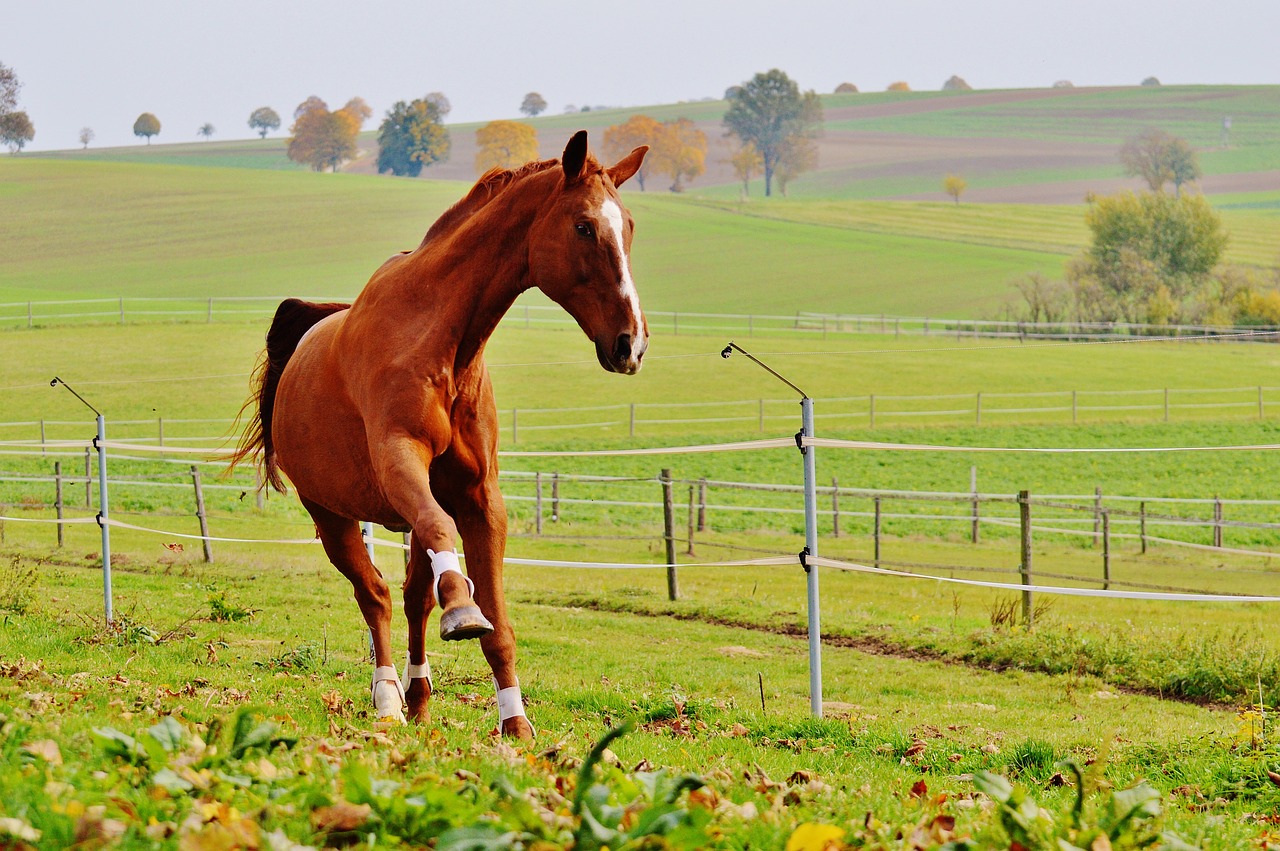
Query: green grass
point(162, 230)
point(892, 721)
point(1105, 116)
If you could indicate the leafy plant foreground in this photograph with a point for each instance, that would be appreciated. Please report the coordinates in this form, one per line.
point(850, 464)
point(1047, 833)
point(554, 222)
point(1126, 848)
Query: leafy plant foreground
point(252, 732)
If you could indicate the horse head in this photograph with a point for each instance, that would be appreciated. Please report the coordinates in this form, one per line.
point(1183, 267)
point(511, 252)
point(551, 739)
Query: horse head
point(580, 255)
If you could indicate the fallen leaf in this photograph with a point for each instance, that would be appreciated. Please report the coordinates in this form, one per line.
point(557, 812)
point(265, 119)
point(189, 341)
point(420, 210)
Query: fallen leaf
point(46, 749)
point(814, 837)
point(342, 817)
point(919, 789)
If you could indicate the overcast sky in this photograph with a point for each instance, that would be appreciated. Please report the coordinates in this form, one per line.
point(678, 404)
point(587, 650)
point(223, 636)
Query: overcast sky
point(100, 63)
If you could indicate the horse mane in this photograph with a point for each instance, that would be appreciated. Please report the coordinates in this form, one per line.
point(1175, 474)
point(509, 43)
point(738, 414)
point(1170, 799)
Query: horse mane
point(490, 185)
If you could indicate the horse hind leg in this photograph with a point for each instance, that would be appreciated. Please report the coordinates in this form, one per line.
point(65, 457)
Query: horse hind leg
point(345, 548)
point(418, 602)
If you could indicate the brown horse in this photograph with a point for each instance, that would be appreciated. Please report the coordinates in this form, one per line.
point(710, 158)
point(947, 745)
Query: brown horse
point(383, 410)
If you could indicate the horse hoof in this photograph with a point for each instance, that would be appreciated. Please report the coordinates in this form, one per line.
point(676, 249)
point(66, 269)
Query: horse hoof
point(463, 623)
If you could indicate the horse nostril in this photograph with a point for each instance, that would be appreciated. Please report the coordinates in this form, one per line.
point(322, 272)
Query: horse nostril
point(622, 349)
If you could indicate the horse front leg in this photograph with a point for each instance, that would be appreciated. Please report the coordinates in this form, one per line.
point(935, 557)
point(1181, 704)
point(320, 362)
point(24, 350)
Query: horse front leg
point(482, 521)
point(402, 465)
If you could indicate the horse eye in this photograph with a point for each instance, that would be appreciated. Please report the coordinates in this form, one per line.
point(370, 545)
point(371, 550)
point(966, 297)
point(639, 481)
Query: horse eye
point(584, 229)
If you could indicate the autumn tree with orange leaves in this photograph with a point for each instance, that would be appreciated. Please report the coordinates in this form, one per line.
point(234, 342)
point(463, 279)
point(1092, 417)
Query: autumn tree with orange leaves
point(680, 151)
point(322, 139)
point(622, 139)
point(505, 144)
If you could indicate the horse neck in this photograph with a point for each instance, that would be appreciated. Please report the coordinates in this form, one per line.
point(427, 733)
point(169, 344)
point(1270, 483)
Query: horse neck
point(460, 284)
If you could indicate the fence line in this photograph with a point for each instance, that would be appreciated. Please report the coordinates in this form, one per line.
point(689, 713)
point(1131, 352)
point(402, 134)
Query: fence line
point(123, 309)
point(865, 411)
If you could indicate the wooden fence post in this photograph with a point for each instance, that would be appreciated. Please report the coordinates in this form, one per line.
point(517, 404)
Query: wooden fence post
point(1073, 408)
point(977, 409)
point(669, 534)
point(875, 531)
point(515, 426)
point(633, 419)
point(1217, 522)
point(835, 508)
point(555, 497)
point(259, 492)
point(871, 411)
point(1166, 404)
point(692, 513)
point(1106, 550)
point(160, 430)
point(1024, 518)
point(762, 415)
point(43, 451)
point(1142, 525)
point(973, 489)
point(200, 513)
point(702, 504)
point(537, 503)
point(1262, 411)
point(57, 497)
point(1097, 514)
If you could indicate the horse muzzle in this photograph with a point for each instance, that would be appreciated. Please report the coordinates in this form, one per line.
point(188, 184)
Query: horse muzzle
point(623, 355)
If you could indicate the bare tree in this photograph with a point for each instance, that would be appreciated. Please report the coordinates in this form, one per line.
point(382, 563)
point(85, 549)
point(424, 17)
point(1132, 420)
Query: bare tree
point(86, 136)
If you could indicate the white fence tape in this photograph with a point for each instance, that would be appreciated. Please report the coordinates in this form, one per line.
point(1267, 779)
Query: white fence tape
point(1045, 589)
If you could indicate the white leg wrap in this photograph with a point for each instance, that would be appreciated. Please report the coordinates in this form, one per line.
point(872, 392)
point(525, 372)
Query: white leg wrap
point(388, 695)
point(446, 561)
point(510, 703)
point(418, 672)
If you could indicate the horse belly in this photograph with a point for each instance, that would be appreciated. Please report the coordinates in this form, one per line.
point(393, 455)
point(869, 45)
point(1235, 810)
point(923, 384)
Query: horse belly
point(320, 442)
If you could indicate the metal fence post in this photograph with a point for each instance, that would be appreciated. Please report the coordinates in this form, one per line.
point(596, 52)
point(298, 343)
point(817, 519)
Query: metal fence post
point(103, 517)
point(1024, 521)
point(811, 545)
point(366, 532)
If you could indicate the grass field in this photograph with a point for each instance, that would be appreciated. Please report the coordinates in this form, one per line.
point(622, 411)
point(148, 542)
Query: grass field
point(228, 706)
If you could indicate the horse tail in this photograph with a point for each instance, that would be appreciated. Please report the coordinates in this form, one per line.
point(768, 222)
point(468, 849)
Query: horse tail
point(293, 319)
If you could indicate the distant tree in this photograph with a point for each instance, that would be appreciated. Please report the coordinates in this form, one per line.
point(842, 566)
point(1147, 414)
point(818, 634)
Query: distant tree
point(264, 119)
point(899, 86)
point(16, 130)
point(1151, 81)
point(440, 102)
point(622, 139)
point(846, 89)
point(146, 126)
point(206, 130)
point(1063, 84)
point(1150, 254)
point(569, 108)
point(322, 139)
point(505, 144)
point(732, 92)
point(410, 137)
point(533, 104)
point(681, 152)
point(746, 162)
point(1159, 158)
point(954, 185)
point(956, 83)
point(768, 111)
point(86, 136)
point(798, 155)
point(9, 86)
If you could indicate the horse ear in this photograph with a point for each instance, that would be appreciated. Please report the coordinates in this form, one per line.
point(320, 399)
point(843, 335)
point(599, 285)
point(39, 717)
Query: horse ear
point(627, 166)
point(575, 156)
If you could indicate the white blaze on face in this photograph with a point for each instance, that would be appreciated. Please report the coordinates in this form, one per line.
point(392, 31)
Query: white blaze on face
point(613, 216)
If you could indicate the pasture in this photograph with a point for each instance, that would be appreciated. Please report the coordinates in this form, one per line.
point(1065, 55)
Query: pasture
point(229, 704)
point(923, 685)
